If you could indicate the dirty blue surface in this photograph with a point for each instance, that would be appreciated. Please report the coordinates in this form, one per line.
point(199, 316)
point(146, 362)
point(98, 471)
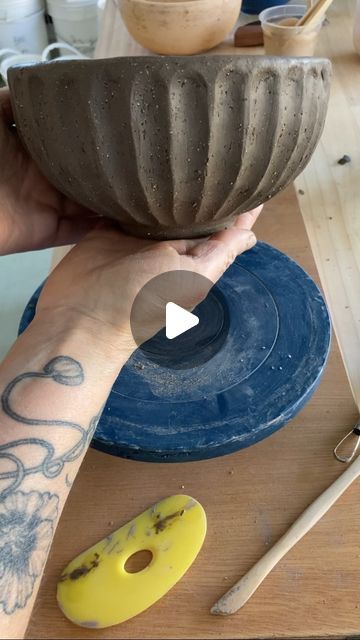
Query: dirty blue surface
point(267, 369)
point(256, 6)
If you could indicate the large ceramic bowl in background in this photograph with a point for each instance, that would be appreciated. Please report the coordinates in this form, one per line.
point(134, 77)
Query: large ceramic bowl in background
point(179, 27)
point(171, 147)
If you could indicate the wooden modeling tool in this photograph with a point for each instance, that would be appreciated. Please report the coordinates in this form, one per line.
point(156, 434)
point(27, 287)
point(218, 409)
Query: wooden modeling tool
point(240, 593)
point(315, 13)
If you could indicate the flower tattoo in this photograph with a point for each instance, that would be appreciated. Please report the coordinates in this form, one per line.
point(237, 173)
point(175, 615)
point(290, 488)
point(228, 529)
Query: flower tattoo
point(28, 520)
point(27, 524)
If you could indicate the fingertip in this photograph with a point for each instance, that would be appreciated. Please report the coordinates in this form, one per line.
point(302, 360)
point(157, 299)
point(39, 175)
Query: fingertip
point(247, 220)
point(251, 240)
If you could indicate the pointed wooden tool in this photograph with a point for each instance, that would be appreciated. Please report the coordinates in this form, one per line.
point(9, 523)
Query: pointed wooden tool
point(315, 13)
point(240, 593)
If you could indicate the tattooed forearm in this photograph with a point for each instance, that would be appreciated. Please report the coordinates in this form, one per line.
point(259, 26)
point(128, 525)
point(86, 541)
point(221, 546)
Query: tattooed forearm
point(62, 370)
point(69, 483)
point(27, 523)
point(28, 520)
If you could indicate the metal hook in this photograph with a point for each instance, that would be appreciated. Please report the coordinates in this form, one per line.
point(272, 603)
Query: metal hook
point(347, 458)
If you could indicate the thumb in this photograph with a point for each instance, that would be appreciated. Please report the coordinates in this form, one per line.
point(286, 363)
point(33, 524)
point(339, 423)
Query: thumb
point(215, 255)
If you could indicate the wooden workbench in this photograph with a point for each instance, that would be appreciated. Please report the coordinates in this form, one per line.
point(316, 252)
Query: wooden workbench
point(253, 496)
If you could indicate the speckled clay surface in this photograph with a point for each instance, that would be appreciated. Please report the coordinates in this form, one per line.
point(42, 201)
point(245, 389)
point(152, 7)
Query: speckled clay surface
point(171, 147)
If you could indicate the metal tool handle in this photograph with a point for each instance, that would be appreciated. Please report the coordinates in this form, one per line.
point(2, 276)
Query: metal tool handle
point(240, 593)
point(347, 448)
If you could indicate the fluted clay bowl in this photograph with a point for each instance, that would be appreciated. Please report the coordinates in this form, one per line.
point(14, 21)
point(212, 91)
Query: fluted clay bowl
point(171, 147)
point(175, 27)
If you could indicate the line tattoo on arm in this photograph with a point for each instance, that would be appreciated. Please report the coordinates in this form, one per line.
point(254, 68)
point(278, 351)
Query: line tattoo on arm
point(28, 520)
point(62, 370)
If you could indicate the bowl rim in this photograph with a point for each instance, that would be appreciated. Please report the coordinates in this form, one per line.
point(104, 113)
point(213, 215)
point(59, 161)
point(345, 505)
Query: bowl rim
point(188, 60)
point(175, 3)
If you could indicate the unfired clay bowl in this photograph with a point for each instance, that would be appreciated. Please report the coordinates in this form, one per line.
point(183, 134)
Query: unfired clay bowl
point(175, 27)
point(171, 147)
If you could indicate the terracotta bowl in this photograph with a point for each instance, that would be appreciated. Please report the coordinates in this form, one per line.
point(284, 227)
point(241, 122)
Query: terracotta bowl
point(171, 147)
point(175, 27)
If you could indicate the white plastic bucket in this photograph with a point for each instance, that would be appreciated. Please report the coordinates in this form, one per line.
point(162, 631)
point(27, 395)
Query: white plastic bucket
point(100, 10)
point(7, 53)
point(10, 57)
point(16, 9)
point(27, 34)
point(20, 58)
point(59, 48)
point(357, 27)
point(75, 22)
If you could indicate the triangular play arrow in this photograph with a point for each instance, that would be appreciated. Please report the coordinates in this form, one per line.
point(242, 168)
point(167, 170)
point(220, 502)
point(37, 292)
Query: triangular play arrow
point(178, 320)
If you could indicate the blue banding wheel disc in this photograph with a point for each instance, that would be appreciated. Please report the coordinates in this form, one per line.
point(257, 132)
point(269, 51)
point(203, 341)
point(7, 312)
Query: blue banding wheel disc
point(278, 340)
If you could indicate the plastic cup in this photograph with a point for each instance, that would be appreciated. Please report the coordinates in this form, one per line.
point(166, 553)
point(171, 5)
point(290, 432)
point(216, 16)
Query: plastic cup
point(282, 37)
point(26, 34)
point(75, 22)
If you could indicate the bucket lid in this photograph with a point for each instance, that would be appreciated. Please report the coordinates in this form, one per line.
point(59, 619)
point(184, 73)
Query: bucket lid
point(30, 6)
point(73, 3)
point(30, 3)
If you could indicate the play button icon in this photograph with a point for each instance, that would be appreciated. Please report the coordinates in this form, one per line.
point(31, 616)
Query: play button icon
point(178, 320)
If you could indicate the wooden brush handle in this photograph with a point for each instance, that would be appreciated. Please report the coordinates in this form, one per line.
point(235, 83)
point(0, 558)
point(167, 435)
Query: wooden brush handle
point(240, 593)
point(314, 13)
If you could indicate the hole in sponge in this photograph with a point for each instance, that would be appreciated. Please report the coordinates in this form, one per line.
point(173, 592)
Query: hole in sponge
point(138, 561)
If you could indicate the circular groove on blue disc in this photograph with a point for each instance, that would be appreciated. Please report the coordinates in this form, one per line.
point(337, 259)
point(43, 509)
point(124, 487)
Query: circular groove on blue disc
point(192, 348)
point(265, 372)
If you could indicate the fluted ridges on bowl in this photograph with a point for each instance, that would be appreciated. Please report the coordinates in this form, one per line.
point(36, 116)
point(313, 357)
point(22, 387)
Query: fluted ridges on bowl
point(165, 145)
